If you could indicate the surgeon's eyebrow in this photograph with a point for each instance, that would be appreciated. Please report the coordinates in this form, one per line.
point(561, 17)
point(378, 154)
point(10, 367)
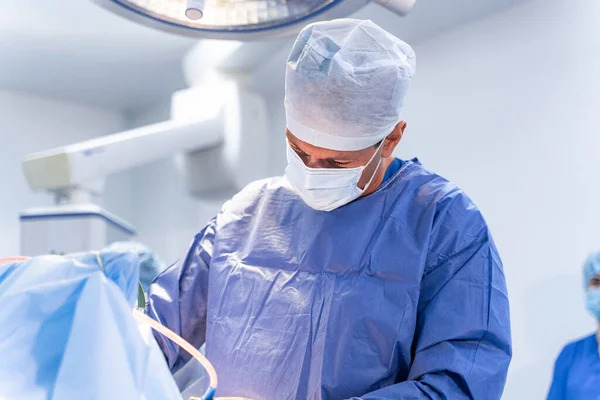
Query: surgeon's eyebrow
point(297, 149)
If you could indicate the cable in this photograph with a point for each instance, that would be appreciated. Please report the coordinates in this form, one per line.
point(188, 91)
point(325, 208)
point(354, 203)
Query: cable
point(178, 340)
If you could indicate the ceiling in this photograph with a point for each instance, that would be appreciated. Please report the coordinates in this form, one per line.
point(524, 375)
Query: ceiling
point(74, 50)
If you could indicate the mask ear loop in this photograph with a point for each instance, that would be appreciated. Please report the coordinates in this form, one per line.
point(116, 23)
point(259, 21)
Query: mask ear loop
point(376, 168)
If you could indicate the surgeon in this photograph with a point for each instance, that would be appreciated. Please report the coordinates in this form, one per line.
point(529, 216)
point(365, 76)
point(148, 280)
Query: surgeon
point(577, 369)
point(357, 275)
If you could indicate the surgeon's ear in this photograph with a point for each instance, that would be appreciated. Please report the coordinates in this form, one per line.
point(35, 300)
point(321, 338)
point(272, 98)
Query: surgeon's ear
point(393, 139)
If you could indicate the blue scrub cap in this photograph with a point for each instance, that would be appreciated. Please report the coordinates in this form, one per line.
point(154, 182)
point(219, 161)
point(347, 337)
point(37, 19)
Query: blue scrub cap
point(591, 268)
point(346, 81)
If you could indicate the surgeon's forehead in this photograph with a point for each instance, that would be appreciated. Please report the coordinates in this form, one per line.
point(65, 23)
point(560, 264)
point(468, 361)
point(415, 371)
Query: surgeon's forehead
point(322, 152)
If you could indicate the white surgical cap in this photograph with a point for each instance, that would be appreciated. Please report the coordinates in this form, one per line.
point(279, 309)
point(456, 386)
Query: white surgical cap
point(591, 268)
point(345, 84)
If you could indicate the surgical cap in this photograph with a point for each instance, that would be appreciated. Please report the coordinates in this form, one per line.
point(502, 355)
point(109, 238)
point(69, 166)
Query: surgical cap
point(346, 81)
point(591, 268)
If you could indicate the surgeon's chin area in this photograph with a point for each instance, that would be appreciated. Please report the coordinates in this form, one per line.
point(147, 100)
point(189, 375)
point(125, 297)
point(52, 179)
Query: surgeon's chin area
point(594, 282)
point(376, 164)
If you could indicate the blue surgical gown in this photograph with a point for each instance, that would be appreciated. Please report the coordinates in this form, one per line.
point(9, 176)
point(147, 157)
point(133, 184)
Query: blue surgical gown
point(397, 295)
point(577, 372)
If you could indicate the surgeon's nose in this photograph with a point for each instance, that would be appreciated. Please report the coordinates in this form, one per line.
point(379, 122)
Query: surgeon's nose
point(309, 161)
point(312, 162)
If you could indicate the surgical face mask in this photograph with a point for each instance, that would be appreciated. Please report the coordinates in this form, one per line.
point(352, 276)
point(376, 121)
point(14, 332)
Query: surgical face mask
point(326, 189)
point(592, 301)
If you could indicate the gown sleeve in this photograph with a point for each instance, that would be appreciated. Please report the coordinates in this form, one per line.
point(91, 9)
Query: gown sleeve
point(462, 346)
point(178, 298)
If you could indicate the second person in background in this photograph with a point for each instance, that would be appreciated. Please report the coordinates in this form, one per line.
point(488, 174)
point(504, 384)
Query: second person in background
point(577, 369)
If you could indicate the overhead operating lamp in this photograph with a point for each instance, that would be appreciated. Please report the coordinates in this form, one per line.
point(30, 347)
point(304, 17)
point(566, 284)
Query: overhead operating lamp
point(239, 19)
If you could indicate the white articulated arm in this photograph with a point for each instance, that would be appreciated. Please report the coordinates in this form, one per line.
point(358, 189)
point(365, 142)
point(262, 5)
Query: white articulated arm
point(75, 165)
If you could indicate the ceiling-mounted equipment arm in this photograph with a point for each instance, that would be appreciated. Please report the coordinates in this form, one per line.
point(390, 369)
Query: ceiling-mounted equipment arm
point(75, 165)
point(220, 128)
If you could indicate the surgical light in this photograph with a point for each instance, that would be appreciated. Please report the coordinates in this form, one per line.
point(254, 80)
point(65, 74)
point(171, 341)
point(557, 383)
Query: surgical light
point(194, 9)
point(238, 19)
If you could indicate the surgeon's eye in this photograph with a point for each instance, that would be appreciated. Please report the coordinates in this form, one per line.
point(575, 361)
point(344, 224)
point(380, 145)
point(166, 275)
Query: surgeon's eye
point(339, 164)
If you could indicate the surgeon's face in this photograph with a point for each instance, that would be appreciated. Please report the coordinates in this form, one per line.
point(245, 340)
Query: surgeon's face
point(318, 157)
point(594, 282)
